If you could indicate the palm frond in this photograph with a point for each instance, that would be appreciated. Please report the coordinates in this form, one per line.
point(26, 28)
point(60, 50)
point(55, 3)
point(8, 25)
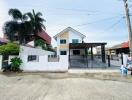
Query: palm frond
point(15, 13)
point(30, 15)
point(39, 14)
point(25, 17)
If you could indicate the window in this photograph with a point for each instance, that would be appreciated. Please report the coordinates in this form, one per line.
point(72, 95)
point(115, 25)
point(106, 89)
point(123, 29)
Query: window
point(34, 58)
point(75, 41)
point(63, 53)
point(76, 52)
point(63, 41)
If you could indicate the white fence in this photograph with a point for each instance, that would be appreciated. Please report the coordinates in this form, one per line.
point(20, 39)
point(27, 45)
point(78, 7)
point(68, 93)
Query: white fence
point(43, 65)
point(37, 60)
point(0, 62)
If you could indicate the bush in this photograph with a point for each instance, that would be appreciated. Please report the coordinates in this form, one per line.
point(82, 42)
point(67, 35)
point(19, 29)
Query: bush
point(15, 64)
point(10, 48)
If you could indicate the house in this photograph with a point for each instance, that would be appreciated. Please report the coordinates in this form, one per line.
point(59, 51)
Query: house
point(67, 36)
point(70, 42)
point(119, 48)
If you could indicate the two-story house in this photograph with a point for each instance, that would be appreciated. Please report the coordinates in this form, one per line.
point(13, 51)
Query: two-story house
point(67, 36)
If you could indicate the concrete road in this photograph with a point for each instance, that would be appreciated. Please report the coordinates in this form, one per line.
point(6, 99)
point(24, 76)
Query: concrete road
point(38, 87)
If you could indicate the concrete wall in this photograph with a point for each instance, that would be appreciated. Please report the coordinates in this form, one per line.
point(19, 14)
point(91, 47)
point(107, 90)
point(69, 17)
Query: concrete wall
point(0, 62)
point(44, 65)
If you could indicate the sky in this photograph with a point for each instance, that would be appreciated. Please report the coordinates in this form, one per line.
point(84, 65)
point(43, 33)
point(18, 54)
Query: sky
point(99, 20)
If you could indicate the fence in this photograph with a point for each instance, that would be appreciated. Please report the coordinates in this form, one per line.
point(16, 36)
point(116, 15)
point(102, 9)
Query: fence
point(43, 64)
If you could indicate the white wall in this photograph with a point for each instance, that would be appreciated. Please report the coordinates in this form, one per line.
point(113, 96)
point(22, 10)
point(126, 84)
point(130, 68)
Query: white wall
point(44, 65)
point(125, 57)
point(73, 35)
point(0, 62)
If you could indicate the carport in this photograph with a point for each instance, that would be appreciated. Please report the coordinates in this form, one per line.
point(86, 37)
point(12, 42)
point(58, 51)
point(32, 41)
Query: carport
point(86, 46)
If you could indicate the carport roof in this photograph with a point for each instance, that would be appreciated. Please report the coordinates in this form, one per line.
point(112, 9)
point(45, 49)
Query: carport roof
point(84, 45)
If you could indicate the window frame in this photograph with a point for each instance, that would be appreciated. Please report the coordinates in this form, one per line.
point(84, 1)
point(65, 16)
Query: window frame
point(63, 52)
point(33, 58)
point(62, 41)
point(73, 40)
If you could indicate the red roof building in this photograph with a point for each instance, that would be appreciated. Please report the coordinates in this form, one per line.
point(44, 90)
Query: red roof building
point(45, 37)
point(125, 45)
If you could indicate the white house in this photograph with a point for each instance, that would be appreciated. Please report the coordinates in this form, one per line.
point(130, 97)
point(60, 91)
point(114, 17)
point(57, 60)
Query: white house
point(67, 36)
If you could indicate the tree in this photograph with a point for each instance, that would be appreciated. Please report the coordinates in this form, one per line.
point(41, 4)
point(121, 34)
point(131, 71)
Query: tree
point(36, 21)
point(23, 25)
point(19, 26)
point(10, 29)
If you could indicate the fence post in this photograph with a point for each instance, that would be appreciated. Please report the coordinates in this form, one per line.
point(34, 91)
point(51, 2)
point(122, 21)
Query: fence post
point(122, 58)
point(108, 60)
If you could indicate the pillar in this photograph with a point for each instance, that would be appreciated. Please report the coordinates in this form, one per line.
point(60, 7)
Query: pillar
point(91, 53)
point(103, 53)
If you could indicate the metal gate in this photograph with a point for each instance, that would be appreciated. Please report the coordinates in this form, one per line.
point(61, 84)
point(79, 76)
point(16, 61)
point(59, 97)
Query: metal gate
point(81, 61)
point(78, 61)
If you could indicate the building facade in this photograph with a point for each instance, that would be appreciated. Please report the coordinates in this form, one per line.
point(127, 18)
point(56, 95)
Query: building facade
point(67, 36)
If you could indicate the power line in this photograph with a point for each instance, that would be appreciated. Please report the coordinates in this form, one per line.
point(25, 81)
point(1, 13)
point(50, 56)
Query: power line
point(77, 10)
point(97, 21)
point(113, 25)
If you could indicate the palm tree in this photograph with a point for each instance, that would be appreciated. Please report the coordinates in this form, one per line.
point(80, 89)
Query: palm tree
point(23, 26)
point(10, 28)
point(36, 21)
point(17, 15)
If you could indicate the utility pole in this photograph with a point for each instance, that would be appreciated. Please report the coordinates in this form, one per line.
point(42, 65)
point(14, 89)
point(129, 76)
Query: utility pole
point(128, 24)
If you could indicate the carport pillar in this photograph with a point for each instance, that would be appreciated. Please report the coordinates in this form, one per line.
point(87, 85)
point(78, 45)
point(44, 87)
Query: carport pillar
point(69, 54)
point(91, 53)
point(103, 53)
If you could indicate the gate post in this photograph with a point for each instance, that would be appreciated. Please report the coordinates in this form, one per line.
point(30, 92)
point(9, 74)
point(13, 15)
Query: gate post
point(103, 53)
point(108, 60)
point(91, 53)
point(122, 58)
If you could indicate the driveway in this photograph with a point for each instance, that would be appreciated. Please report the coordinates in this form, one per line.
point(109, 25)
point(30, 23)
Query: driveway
point(62, 86)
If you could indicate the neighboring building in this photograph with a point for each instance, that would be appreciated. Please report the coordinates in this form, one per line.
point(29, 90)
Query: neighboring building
point(67, 36)
point(41, 35)
point(119, 48)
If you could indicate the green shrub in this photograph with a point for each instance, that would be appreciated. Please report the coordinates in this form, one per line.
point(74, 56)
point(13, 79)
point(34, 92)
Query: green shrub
point(10, 48)
point(15, 64)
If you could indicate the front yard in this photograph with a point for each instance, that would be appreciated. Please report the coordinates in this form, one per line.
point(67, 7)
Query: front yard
point(65, 86)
